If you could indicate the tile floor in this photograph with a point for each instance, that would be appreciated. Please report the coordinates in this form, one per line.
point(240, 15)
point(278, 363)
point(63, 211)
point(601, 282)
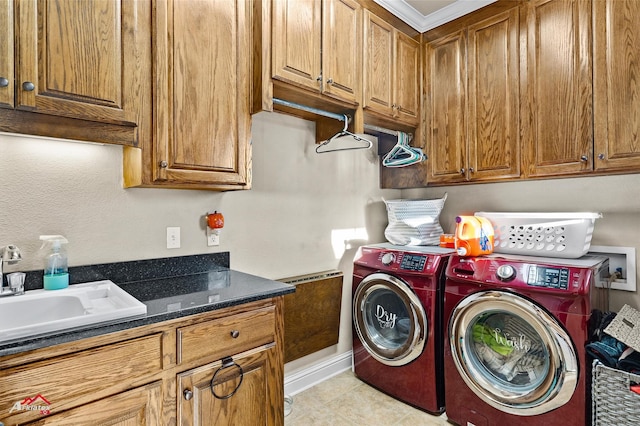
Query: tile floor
point(344, 400)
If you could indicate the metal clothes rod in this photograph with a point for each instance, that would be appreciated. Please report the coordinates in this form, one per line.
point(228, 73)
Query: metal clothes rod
point(380, 129)
point(339, 117)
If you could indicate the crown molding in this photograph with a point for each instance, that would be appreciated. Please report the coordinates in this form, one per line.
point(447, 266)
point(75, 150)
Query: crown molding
point(422, 23)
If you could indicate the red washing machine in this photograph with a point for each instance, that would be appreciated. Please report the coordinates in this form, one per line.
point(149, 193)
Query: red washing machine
point(515, 333)
point(397, 322)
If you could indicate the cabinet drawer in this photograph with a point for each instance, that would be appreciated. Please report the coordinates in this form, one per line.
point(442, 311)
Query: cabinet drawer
point(216, 339)
point(70, 380)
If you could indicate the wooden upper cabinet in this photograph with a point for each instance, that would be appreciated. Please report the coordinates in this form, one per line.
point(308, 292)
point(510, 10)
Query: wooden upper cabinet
point(473, 80)
point(316, 45)
point(407, 79)
point(297, 42)
point(83, 59)
point(202, 67)
point(6, 54)
point(494, 102)
point(557, 127)
point(617, 84)
point(446, 108)
point(391, 71)
point(341, 49)
point(378, 65)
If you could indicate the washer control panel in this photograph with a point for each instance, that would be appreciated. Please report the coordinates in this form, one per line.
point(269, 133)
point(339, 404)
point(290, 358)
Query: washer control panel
point(418, 260)
point(543, 276)
point(413, 262)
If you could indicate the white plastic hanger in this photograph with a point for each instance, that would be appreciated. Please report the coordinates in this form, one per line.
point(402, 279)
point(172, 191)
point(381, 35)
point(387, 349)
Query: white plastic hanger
point(342, 133)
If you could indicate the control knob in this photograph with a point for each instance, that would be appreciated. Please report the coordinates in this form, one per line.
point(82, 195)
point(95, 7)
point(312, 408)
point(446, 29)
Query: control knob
point(506, 273)
point(388, 258)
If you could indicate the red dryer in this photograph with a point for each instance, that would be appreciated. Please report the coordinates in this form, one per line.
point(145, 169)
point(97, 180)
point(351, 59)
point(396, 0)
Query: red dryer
point(515, 333)
point(397, 322)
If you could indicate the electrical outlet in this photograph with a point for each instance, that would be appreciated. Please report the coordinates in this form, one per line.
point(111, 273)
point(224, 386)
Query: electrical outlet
point(213, 237)
point(173, 237)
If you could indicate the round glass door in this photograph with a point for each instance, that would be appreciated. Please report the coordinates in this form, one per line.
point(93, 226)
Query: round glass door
point(512, 354)
point(389, 319)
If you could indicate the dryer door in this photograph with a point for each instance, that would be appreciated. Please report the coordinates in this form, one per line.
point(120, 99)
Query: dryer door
point(512, 354)
point(389, 319)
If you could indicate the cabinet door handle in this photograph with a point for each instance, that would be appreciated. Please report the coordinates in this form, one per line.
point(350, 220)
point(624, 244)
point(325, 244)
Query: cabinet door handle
point(187, 394)
point(330, 81)
point(601, 157)
point(319, 78)
point(163, 164)
point(28, 86)
point(235, 334)
point(227, 362)
point(471, 170)
point(462, 170)
point(584, 158)
point(4, 82)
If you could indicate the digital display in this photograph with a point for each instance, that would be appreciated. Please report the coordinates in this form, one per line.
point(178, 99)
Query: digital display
point(548, 277)
point(413, 262)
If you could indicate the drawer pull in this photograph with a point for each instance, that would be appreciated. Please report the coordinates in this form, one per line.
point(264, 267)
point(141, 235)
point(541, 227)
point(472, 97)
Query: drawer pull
point(227, 362)
point(235, 334)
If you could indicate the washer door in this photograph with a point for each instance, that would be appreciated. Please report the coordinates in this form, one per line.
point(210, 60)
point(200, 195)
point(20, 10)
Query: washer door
point(389, 319)
point(512, 354)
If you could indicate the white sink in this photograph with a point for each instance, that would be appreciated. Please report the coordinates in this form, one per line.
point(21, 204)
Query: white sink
point(44, 311)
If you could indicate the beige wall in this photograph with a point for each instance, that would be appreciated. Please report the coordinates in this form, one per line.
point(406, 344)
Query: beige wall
point(305, 213)
point(616, 197)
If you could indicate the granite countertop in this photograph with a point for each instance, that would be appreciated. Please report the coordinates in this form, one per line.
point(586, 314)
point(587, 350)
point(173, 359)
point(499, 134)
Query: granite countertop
point(169, 287)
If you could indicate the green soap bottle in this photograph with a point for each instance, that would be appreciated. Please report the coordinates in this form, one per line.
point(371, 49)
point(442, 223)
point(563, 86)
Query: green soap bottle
point(56, 268)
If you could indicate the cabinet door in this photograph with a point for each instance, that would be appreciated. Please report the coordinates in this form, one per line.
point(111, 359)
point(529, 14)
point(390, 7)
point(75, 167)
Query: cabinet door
point(203, 54)
point(249, 403)
point(84, 59)
point(493, 72)
point(557, 105)
point(407, 93)
point(446, 133)
point(6, 54)
point(297, 35)
point(137, 407)
point(342, 49)
point(617, 84)
point(378, 65)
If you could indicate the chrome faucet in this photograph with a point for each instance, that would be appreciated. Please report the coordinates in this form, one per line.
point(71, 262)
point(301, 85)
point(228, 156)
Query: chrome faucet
point(9, 254)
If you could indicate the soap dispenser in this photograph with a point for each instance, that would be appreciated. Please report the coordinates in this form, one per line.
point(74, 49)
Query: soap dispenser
point(56, 270)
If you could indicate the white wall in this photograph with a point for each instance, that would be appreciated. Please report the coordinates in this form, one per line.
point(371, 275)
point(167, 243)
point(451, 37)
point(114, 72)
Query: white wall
point(616, 197)
point(298, 218)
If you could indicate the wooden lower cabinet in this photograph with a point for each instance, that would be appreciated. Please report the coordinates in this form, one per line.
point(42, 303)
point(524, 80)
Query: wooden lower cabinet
point(152, 375)
point(239, 396)
point(141, 406)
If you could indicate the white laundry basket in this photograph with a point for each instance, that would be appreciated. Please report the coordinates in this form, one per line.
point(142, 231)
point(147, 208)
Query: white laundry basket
point(565, 235)
point(414, 222)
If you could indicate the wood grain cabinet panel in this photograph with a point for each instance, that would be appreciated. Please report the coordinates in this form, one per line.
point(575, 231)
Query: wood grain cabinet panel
point(391, 64)
point(6, 54)
point(137, 407)
point(316, 46)
point(68, 380)
point(248, 400)
point(215, 339)
point(616, 83)
point(473, 77)
point(202, 129)
point(85, 60)
point(557, 118)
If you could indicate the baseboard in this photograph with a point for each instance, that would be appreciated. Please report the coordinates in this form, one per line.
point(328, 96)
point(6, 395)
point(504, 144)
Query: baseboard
point(304, 379)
